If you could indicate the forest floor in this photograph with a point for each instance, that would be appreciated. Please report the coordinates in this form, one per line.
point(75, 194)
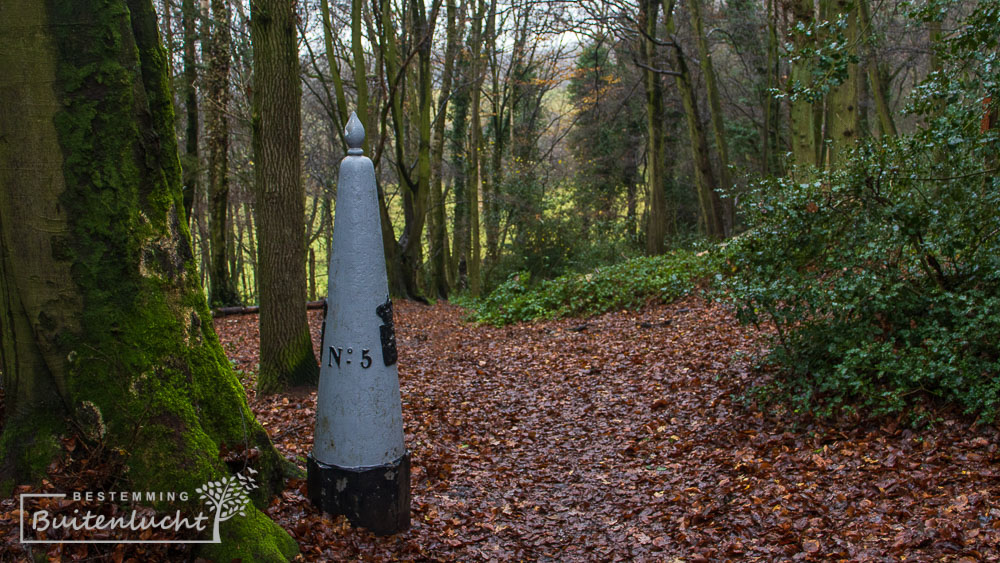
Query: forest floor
point(618, 437)
point(621, 438)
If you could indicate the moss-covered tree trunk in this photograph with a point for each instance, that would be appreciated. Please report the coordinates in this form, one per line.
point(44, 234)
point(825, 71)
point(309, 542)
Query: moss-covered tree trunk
point(222, 287)
point(843, 117)
point(286, 354)
point(805, 115)
point(103, 324)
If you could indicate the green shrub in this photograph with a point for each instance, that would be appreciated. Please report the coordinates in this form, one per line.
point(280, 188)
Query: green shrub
point(629, 284)
point(882, 281)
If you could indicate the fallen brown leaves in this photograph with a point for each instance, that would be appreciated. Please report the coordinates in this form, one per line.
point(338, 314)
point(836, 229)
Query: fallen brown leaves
point(618, 438)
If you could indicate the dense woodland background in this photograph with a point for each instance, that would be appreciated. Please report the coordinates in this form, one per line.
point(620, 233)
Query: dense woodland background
point(825, 170)
point(541, 136)
point(837, 157)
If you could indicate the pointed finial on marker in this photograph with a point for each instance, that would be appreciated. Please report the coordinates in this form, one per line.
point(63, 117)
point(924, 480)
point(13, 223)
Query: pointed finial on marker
point(354, 134)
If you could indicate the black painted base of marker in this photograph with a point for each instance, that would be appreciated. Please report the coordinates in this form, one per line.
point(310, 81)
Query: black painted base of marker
point(376, 498)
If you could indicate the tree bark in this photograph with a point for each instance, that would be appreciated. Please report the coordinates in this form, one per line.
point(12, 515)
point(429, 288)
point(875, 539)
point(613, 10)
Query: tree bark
point(286, 354)
point(222, 290)
point(876, 79)
point(104, 330)
point(804, 119)
point(708, 198)
point(656, 230)
point(475, 185)
point(192, 161)
point(843, 121)
point(724, 208)
point(459, 143)
point(438, 230)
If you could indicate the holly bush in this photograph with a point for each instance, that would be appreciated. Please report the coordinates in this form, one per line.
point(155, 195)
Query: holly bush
point(881, 279)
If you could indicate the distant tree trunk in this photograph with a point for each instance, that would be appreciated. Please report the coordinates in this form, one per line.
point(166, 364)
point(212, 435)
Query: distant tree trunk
point(416, 198)
point(842, 102)
point(770, 131)
point(235, 255)
point(805, 116)
point(191, 162)
point(334, 67)
point(312, 274)
point(724, 208)
point(251, 254)
point(475, 184)
point(458, 143)
point(436, 225)
point(104, 330)
point(656, 231)
point(400, 283)
point(708, 198)
point(167, 30)
point(879, 89)
point(222, 291)
point(499, 124)
point(286, 353)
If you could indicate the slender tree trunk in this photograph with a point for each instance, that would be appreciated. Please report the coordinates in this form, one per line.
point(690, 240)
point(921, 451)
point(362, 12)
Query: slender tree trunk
point(770, 133)
point(221, 288)
point(475, 184)
point(724, 208)
point(708, 198)
point(102, 319)
point(400, 280)
point(438, 230)
point(192, 161)
point(876, 79)
point(331, 63)
point(251, 254)
point(286, 353)
point(416, 200)
point(459, 143)
point(499, 119)
point(656, 231)
point(235, 255)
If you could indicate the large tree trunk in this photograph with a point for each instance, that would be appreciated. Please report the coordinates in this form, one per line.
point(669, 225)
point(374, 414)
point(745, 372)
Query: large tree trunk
point(286, 354)
point(222, 290)
point(656, 230)
point(104, 326)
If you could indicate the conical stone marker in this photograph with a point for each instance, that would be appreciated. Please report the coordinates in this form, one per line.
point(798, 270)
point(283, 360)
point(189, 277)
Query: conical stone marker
point(359, 466)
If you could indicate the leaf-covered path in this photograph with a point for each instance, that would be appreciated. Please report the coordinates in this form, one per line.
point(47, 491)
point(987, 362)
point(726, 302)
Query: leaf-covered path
point(618, 438)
